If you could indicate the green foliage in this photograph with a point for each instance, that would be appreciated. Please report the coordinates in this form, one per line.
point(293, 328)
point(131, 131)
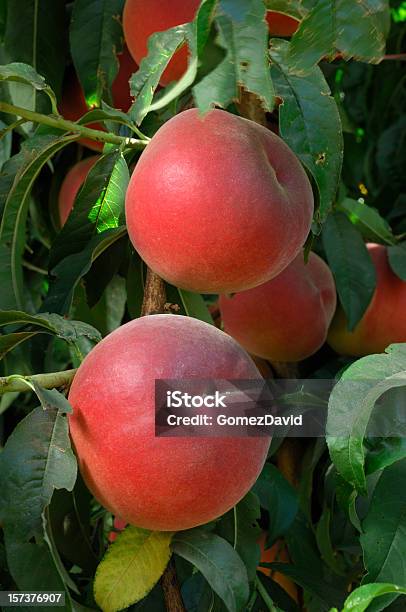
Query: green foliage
point(338, 516)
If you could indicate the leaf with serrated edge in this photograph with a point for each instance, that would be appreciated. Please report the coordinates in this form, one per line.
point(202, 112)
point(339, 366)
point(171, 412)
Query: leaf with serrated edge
point(132, 565)
point(355, 29)
point(309, 122)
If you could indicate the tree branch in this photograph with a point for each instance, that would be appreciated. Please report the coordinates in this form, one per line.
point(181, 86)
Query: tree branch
point(171, 589)
point(154, 295)
point(70, 126)
point(52, 380)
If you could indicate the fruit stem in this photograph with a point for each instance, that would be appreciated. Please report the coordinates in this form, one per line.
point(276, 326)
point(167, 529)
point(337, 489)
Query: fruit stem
point(70, 126)
point(171, 589)
point(154, 295)
point(19, 384)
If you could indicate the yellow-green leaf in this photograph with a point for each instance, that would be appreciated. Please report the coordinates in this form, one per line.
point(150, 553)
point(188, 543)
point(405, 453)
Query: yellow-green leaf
point(132, 565)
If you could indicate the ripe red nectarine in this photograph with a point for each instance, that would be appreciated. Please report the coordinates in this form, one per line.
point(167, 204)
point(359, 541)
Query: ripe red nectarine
point(384, 321)
point(154, 482)
point(71, 185)
point(287, 318)
point(218, 203)
point(280, 24)
point(141, 19)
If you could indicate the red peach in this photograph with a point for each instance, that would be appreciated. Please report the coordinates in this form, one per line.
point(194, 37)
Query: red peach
point(218, 203)
point(71, 184)
point(159, 483)
point(141, 19)
point(287, 318)
point(384, 321)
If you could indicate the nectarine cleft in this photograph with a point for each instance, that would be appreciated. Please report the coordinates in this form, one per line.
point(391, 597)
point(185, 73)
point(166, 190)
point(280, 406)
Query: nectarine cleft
point(287, 318)
point(71, 184)
point(154, 482)
point(141, 19)
point(218, 204)
point(384, 321)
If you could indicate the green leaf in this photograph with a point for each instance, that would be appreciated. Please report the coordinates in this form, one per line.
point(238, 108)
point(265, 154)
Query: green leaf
point(5, 145)
point(290, 7)
point(52, 323)
point(99, 206)
point(132, 565)
point(70, 270)
point(279, 498)
point(36, 459)
point(240, 528)
point(323, 538)
point(355, 29)
point(368, 220)
point(9, 341)
point(219, 87)
point(384, 529)
point(219, 563)
point(350, 407)
point(37, 153)
point(360, 599)
point(36, 35)
point(330, 595)
point(309, 122)
point(385, 452)
point(351, 265)
point(195, 306)
point(161, 48)
point(397, 259)
point(24, 73)
point(95, 35)
point(243, 33)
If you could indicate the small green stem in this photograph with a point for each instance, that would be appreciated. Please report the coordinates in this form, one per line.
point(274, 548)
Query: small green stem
point(19, 384)
point(264, 594)
point(70, 126)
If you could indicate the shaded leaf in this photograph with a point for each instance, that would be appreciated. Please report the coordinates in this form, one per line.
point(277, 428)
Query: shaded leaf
point(219, 563)
point(36, 459)
point(36, 35)
point(397, 259)
point(36, 154)
point(131, 567)
point(24, 73)
point(351, 265)
point(370, 223)
point(95, 37)
point(309, 122)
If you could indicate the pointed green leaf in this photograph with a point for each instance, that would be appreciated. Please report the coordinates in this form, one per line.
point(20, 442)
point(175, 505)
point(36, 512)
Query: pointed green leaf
point(368, 220)
point(219, 563)
point(351, 265)
point(24, 73)
point(36, 459)
point(36, 153)
point(363, 596)
point(132, 565)
point(355, 29)
point(95, 36)
point(309, 122)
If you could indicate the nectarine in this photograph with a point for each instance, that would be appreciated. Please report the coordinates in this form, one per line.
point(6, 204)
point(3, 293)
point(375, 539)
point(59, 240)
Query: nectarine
point(73, 104)
point(287, 318)
point(141, 19)
point(154, 482)
point(71, 185)
point(280, 24)
point(217, 203)
point(384, 321)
